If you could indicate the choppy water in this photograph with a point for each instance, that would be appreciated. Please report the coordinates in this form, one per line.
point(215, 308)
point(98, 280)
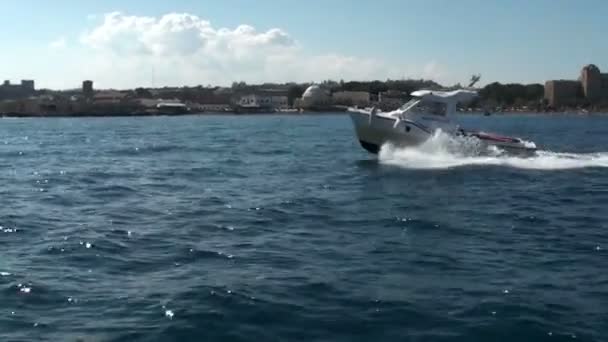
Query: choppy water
point(283, 229)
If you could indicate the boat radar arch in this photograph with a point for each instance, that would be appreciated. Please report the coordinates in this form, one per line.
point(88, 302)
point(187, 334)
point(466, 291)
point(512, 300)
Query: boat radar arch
point(455, 96)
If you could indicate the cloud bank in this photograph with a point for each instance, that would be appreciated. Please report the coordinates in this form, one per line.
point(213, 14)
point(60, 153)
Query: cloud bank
point(184, 49)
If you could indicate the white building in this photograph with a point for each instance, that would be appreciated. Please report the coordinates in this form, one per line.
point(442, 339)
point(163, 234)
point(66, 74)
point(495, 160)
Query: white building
point(314, 97)
point(263, 101)
point(219, 108)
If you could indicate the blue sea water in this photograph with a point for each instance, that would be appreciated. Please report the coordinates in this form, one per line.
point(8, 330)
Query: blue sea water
point(281, 228)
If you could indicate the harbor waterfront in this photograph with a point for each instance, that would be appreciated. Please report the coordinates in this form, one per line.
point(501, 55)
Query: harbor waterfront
point(280, 227)
point(589, 94)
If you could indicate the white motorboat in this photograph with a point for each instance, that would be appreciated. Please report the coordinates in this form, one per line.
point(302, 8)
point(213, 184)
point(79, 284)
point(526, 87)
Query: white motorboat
point(416, 121)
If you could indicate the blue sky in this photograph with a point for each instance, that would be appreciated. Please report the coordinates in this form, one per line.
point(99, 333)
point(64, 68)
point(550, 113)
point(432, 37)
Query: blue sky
point(506, 41)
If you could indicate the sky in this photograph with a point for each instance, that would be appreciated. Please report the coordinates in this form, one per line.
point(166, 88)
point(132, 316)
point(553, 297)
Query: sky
point(130, 43)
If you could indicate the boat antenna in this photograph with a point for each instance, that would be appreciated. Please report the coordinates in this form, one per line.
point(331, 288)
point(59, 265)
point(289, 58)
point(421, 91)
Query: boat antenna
point(153, 76)
point(474, 80)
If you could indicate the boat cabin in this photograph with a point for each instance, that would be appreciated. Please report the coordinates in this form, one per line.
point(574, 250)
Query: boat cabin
point(439, 103)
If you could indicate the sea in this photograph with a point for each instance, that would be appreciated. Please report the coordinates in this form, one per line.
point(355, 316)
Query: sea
point(282, 228)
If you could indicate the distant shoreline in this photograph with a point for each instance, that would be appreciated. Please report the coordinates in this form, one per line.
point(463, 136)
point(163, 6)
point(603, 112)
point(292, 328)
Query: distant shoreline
point(315, 113)
point(95, 115)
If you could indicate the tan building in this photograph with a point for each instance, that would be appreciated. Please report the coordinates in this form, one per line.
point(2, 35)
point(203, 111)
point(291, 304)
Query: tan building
point(28, 106)
point(563, 93)
point(594, 83)
point(44, 105)
point(109, 97)
point(590, 88)
point(351, 98)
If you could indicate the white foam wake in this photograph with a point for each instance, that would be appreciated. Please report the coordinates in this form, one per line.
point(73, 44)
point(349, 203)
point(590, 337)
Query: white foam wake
point(443, 151)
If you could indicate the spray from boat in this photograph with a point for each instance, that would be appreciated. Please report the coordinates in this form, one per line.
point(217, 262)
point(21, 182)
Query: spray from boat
point(444, 151)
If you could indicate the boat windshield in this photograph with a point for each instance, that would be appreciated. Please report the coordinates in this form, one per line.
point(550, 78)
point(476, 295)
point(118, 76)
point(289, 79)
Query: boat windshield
point(428, 107)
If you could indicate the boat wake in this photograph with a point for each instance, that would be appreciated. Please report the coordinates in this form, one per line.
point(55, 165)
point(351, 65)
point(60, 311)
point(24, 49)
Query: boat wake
point(443, 151)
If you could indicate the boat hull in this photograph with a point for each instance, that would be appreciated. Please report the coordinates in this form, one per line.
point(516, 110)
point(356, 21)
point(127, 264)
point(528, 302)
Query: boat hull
point(375, 131)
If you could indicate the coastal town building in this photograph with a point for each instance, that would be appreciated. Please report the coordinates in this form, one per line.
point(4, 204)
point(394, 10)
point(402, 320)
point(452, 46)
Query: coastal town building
point(261, 102)
point(591, 88)
point(214, 108)
point(28, 85)
point(559, 93)
point(351, 98)
point(20, 106)
point(219, 96)
point(314, 98)
point(46, 105)
point(595, 83)
point(87, 88)
point(112, 102)
point(16, 91)
point(109, 97)
point(172, 107)
point(391, 100)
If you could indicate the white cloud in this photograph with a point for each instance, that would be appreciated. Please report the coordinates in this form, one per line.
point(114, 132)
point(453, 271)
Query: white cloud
point(182, 48)
point(179, 34)
point(59, 43)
